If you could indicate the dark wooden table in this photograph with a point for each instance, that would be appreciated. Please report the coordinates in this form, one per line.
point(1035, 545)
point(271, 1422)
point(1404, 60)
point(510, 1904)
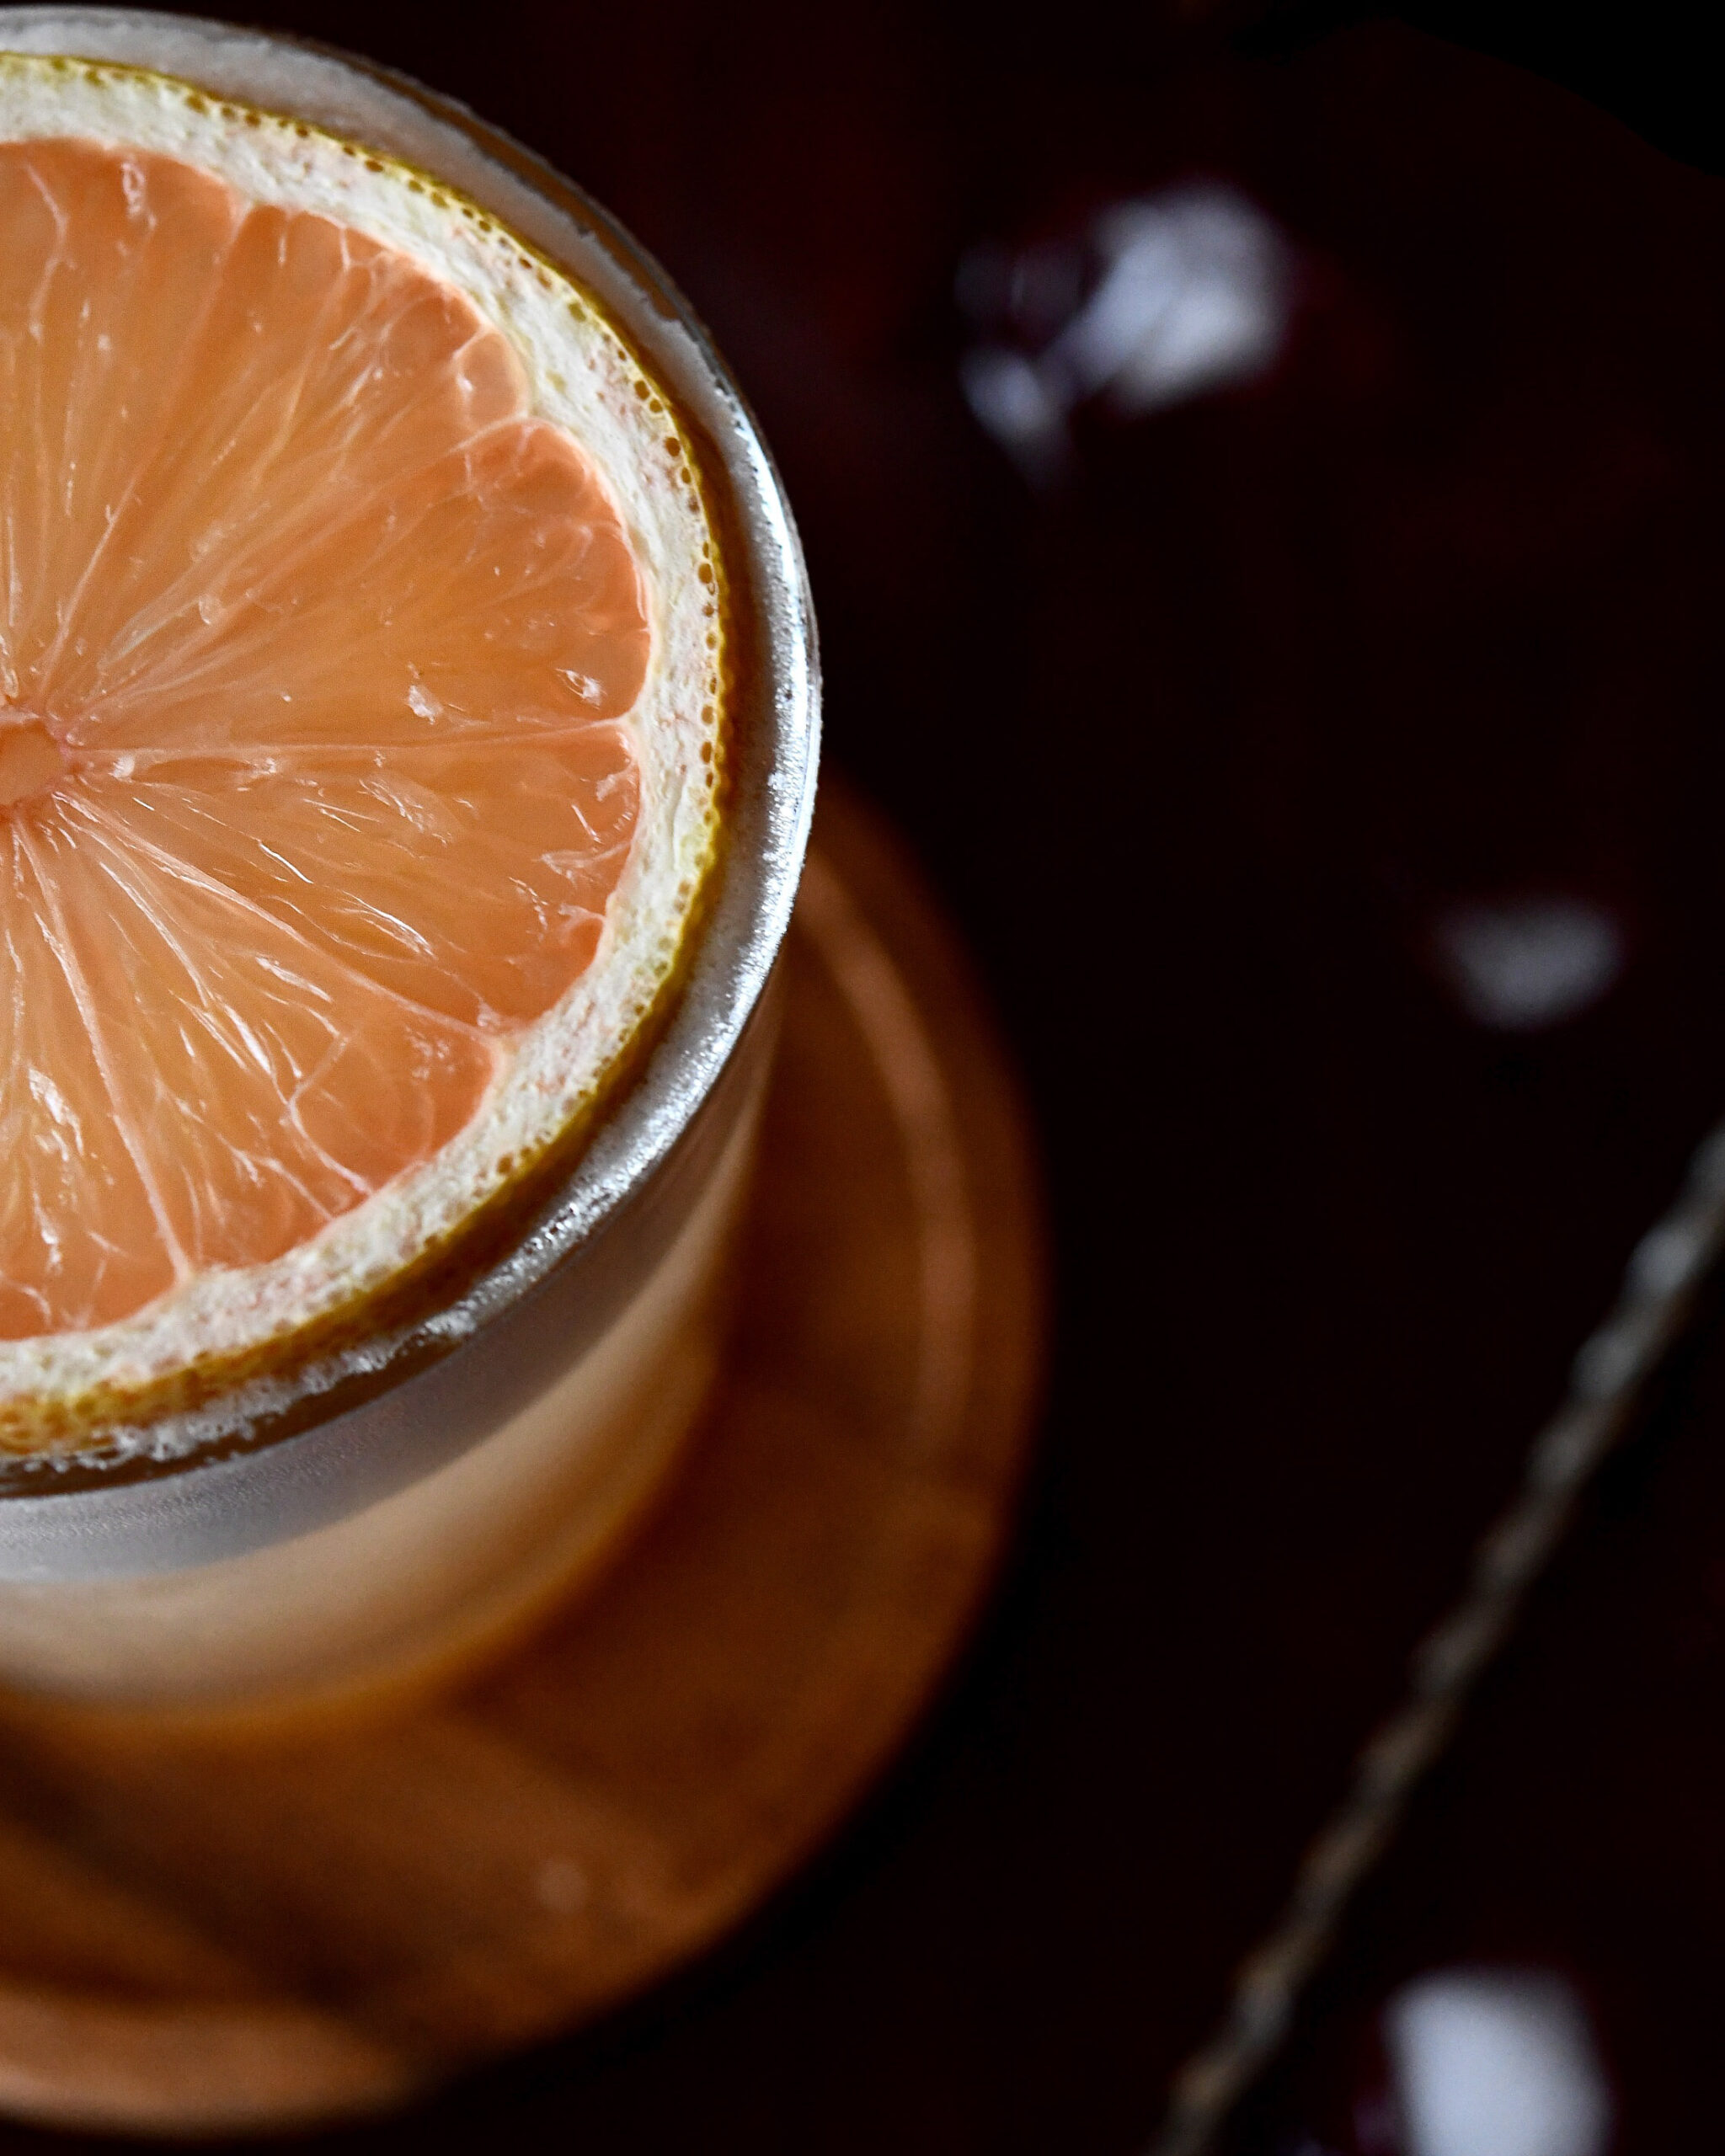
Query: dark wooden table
point(1216, 745)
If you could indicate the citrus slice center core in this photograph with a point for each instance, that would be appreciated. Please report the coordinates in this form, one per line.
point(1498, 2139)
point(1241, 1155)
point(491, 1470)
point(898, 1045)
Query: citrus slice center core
point(31, 760)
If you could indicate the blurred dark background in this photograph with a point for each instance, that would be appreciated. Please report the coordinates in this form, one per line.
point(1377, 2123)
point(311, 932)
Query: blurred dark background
point(1262, 477)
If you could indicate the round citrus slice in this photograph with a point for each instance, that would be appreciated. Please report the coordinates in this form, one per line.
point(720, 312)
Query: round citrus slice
point(360, 714)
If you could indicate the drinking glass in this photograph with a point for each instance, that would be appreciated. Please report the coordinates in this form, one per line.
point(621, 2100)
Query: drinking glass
point(389, 1511)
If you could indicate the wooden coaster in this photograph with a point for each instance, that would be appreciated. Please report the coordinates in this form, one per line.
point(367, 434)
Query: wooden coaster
point(201, 1934)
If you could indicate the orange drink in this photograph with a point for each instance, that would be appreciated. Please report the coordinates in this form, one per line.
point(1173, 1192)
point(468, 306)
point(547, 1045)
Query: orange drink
point(407, 741)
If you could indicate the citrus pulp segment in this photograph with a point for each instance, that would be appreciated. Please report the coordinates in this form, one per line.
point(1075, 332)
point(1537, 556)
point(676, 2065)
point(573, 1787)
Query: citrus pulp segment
point(361, 705)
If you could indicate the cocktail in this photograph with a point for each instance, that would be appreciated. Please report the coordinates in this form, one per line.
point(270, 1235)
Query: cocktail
point(407, 745)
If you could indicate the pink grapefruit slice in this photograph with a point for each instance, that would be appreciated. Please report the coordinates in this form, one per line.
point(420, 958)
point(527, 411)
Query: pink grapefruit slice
point(361, 704)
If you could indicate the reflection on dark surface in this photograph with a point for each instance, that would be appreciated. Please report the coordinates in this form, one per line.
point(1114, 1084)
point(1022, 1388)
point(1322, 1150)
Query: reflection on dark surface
point(1475, 2062)
point(1523, 963)
point(1492, 2063)
point(1166, 298)
point(1323, 753)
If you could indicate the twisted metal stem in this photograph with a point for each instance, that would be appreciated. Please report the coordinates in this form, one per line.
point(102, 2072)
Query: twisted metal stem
point(1607, 1380)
